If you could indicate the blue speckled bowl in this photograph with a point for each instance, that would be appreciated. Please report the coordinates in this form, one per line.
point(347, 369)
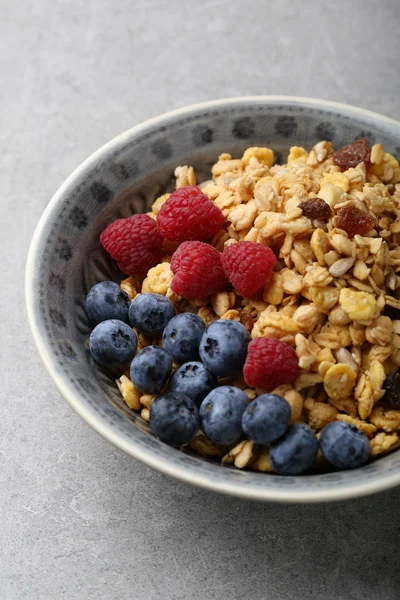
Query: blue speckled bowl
point(125, 176)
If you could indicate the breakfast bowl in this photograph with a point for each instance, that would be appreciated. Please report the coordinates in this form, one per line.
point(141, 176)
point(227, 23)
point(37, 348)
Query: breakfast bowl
point(125, 177)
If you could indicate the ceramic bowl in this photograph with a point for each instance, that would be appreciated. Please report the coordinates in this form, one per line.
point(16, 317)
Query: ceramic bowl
point(124, 177)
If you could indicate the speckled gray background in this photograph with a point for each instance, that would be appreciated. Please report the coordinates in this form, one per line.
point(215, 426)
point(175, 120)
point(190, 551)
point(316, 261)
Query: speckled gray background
point(79, 519)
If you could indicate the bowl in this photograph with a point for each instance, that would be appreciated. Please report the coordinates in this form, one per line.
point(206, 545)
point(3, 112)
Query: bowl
point(124, 177)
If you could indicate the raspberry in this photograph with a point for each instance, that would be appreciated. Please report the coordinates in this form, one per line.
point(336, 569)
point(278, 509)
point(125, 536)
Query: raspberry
point(135, 243)
point(188, 214)
point(248, 266)
point(270, 363)
point(197, 271)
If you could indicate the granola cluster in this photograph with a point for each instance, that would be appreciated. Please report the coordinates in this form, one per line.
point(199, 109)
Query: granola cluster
point(330, 291)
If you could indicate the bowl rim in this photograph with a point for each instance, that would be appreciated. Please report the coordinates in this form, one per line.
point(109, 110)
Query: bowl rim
point(73, 398)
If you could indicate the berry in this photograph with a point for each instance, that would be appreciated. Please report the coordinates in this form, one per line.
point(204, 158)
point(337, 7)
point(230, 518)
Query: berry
point(188, 214)
point(295, 452)
point(248, 266)
point(197, 271)
point(223, 347)
point(193, 380)
point(182, 337)
point(106, 300)
point(112, 343)
point(174, 418)
point(392, 391)
point(270, 363)
point(344, 445)
point(221, 414)
point(150, 313)
point(266, 418)
point(135, 243)
point(150, 369)
point(353, 154)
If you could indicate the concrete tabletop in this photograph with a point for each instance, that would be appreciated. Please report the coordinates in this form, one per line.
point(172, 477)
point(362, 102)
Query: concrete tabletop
point(78, 518)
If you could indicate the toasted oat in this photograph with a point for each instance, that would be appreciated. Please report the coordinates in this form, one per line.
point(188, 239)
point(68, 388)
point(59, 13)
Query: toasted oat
point(158, 279)
point(184, 176)
point(339, 381)
point(368, 428)
point(204, 446)
point(383, 442)
point(388, 420)
point(240, 455)
point(129, 392)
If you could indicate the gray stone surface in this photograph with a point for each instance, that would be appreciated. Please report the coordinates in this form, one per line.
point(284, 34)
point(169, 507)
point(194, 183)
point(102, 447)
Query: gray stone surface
point(79, 519)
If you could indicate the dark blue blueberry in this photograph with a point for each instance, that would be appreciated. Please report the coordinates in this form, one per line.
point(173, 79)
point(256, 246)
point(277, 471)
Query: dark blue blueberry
point(182, 337)
point(221, 414)
point(295, 452)
point(266, 419)
point(194, 380)
point(150, 313)
point(223, 347)
point(344, 445)
point(150, 369)
point(113, 343)
point(106, 300)
point(174, 418)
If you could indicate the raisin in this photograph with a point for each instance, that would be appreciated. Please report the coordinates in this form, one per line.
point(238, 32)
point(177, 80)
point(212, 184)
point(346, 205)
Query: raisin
point(316, 208)
point(392, 391)
point(354, 221)
point(352, 154)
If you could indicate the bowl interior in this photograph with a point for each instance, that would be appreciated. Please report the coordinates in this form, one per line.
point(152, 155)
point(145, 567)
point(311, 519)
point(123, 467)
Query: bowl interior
point(125, 177)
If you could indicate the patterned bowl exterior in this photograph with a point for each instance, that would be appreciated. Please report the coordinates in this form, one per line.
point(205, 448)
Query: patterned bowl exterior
point(124, 177)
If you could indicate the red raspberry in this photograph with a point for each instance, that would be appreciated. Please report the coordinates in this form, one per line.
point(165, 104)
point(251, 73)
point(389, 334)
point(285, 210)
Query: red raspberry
point(188, 214)
point(248, 266)
point(135, 243)
point(270, 363)
point(197, 271)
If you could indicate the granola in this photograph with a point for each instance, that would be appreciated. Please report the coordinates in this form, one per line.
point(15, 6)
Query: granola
point(329, 290)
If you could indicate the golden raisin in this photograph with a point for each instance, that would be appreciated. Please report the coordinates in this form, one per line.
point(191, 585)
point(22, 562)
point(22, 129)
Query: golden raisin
point(315, 208)
point(354, 221)
point(353, 154)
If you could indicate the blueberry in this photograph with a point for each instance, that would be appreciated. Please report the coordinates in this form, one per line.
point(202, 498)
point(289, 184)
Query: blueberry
point(113, 343)
point(266, 418)
point(194, 380)
point(344, 445)
point(223, 347)
point(150, 369)
point(182, 337)
point(221, 414)
point(295, 452)
point(106, 300)
point(392, 391)
point(174, 418)
point(150, 313)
